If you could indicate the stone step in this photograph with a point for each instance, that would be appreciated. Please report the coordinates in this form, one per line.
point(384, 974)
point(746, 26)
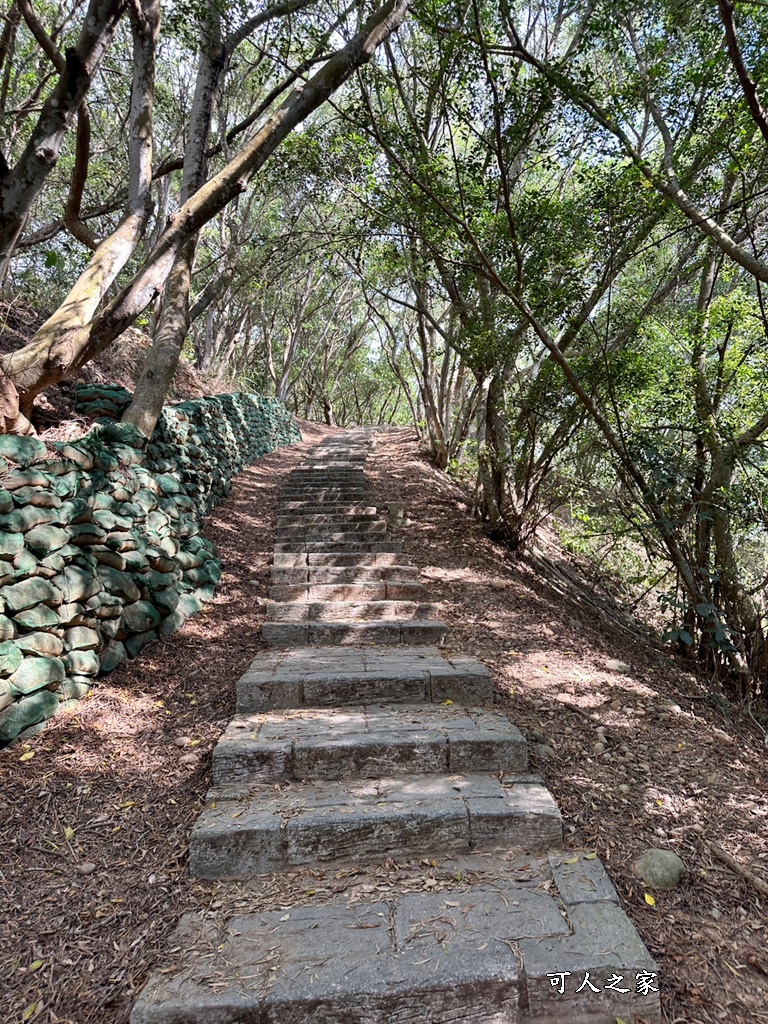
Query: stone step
point(314, 473)
point(250, 830)
point(325, 475)
point(373, 530)
point(294, 575)
point(324, 483)
point(326, 519)
point(348, 547)
point(349, 611)
point(417, 632)
point(355, 592)
point(336, 522)
point(350, 559)
point(331, 537)
point(339, 496)
point(358, 462)
point(321, 498)
point(515, 950)
point(339, 676)
point(334, 560)
point(366, 742)
point(335, 509)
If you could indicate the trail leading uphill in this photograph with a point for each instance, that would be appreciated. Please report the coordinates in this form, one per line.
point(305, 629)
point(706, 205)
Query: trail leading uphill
point(355, 739)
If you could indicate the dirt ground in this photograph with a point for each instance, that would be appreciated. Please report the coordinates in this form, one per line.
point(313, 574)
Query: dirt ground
point(681, 769)
point(96, 811)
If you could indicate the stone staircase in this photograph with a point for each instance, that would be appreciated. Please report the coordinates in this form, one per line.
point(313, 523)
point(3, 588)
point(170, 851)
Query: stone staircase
point(357, 740)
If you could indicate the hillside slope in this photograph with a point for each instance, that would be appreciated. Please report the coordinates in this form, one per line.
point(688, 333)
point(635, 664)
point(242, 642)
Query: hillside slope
point(637, 750)
point(96, 812)
point(120, 364)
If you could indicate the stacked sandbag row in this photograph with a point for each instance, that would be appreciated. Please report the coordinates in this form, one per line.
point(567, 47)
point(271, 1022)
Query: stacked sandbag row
point(100, 546)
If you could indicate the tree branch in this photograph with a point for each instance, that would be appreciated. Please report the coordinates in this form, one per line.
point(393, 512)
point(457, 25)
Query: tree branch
point(748, 86)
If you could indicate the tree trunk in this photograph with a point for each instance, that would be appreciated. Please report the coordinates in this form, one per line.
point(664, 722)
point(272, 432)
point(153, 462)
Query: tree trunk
point(21, 186)
point(173, 323)
point(64, 356)
point(55, 350)
point(162, 359)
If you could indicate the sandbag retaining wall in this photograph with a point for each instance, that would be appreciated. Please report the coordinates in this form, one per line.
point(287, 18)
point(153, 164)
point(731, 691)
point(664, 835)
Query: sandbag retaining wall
point(100, 546)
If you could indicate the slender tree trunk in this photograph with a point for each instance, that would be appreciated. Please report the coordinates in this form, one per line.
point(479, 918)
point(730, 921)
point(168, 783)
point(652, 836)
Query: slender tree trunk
point(173, 323)
point(21, 186)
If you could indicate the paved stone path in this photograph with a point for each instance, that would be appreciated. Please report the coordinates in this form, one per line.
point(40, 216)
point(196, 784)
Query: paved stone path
point(349, 746)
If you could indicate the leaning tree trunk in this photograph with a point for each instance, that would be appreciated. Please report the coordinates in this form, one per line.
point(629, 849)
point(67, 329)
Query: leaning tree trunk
point(63, 357)
point(21, 186)
point(53, 352)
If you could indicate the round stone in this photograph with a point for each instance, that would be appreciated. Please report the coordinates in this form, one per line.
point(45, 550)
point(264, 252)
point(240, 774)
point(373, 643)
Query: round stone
point(613, 665)
point(661, 869)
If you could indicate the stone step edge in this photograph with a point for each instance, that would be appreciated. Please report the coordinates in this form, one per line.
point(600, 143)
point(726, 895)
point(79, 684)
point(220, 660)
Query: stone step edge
point(343, 610)
point(487, 952)
point(384, 742)
point(336, 560)
point(357, 592)
point(412, 632)
point(337, 575)
point(339, 547)
point(301, 681)
point(244, 832)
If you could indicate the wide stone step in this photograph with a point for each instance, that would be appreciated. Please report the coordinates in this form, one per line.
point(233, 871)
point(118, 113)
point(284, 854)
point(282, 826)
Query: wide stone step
point(324, 483)
point(334, 560)
point(318, 520)
point(347, 547)
point(248, 831)
point(355, 592)
point(324, 476)
point(356, 461)
point(325, 519)
point(366, 742)
point(514, 951)
point(349, 611)
point(333, 531)
point(295, 575)
point(339, 676)
point(332, 509)
point(325, 496)
point(344, 559)
point(418, 632)
point(312, 476)
point(310, 488)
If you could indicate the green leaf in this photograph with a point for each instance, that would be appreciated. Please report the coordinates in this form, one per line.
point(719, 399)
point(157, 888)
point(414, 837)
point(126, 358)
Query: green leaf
point(706, 609)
